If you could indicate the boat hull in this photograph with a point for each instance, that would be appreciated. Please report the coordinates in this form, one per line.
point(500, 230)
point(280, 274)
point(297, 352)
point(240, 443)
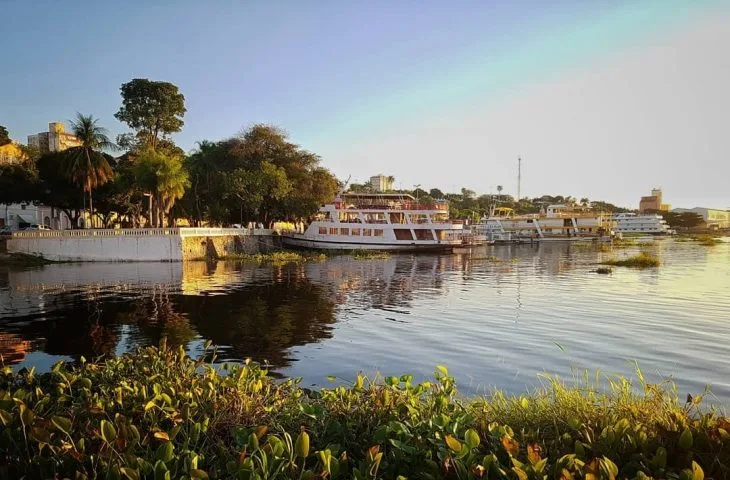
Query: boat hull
point(310, 244)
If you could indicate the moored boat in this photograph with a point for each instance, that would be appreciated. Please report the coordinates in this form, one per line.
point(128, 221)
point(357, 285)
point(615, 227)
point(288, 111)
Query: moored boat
point(381, 221)
point(646, 224)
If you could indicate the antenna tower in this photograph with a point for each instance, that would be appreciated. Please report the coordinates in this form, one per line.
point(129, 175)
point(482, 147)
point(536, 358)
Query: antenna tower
point(519, 176)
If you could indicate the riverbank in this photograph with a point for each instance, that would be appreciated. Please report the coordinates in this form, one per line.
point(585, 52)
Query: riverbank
point(22, 260)
point(160, 414)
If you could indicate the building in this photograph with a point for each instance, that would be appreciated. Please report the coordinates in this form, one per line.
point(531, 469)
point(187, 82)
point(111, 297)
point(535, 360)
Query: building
point(54, 140)
point(653, 203)
point(20, 215)
point(11, 153)
point(713, 217)
point(381, 183)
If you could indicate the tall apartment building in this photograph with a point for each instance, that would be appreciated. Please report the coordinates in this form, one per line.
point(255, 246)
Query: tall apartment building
point(381, 183)
point(54, 140)
point(653, 202)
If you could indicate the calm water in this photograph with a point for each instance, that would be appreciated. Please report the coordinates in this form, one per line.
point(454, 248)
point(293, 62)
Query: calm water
point(493, 323)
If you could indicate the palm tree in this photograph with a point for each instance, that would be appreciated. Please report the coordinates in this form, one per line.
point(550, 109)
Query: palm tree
point(85, 165)
point(499, 191)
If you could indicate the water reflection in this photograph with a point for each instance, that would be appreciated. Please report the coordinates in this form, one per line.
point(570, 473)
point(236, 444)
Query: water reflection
point(493, 315)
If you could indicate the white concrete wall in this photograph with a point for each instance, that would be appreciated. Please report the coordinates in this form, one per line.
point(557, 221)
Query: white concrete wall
point(122, 245)
point(151, 248)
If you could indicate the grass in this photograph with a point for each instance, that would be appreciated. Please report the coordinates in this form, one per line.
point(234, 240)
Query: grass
point(158, 413)
point(277, 258)
point(284, 257)
point(703, 239)
point(641, 260)
point(23, 260)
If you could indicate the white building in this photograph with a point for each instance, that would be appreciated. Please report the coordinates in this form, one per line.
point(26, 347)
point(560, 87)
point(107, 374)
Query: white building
point(21, 215)
point(713, 217)
point(381, 183)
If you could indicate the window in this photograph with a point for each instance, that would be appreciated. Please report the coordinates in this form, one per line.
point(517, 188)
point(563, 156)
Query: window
point(333, 231)
point(403, 234)
point(378, 232)
point(366, 232)
point(423, 234)
point(344, 231)
point(323, 230)
point(355, 232)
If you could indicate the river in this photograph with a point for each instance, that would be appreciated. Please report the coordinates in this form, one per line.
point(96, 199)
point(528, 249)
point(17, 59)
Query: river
point(496, 317)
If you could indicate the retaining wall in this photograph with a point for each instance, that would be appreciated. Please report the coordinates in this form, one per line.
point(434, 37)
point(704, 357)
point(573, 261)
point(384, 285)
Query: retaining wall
point(124, 245)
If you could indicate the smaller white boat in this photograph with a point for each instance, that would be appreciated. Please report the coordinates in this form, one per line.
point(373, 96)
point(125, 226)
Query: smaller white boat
point(648, 224)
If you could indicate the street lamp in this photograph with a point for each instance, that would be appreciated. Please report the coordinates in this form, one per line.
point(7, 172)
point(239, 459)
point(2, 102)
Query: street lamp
point(416, 188)
point(150, 208)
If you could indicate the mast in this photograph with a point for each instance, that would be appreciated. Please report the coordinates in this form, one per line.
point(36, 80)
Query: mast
point(519, 176)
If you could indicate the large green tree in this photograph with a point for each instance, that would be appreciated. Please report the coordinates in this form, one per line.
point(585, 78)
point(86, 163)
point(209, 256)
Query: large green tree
point(165, 178)
point(17, 183)
point(153, 109)
point(258, 175)
point(86, 165)
point(55, 190)
point(4, 137)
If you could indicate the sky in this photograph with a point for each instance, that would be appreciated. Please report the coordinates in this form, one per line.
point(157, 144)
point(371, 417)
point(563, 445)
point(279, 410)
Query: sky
point(603, 99)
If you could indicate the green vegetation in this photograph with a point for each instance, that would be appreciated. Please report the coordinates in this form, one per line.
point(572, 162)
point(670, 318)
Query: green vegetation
point(23, 260)
point(4, 136)
point(160, 414)
point(705, 239)
point(604, 270)
point(641, 260)
point(367, 254)
point(277, 258)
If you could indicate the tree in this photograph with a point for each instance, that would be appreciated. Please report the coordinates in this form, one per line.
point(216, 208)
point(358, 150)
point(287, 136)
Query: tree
point(436, 193)
point(153, 109)
point(584, 201)
point(164, 177)
point(17, 183)
point(499, 190)
point(4, 137)
point(85, 165)
point(682, 220)
point(55, 190)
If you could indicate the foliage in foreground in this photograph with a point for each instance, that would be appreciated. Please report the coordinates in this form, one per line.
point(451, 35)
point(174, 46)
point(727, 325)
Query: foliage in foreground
point(159, 414)
point(641, 260)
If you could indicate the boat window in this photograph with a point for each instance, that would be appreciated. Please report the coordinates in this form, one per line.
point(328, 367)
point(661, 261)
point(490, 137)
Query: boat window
point(355, 232)
point(344, 231)
point(375, 217)
point(378, 232)
point(349, 217)
point(322, 217)
point(397, 217)
point(323, 230)
point(440, 217)
point(333, 231)
point(423, 234)
point(366, 232)
point(403, 234)
point(419, 218)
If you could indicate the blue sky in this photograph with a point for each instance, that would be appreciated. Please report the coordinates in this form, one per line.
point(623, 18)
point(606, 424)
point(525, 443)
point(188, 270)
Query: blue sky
point(605, 99)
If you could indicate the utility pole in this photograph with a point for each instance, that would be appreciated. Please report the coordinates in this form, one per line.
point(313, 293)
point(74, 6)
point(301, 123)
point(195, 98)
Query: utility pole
point(519, 177)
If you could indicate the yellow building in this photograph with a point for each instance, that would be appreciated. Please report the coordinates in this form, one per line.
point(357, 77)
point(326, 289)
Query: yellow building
point(713, 217)
point(54, 140)
point(11, 153)
point(653, 202)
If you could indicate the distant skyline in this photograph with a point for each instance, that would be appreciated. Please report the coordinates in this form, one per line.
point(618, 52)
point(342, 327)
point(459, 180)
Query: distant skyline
point(604, 99)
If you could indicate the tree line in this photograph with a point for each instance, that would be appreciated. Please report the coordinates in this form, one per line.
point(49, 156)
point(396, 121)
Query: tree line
point(257, 175)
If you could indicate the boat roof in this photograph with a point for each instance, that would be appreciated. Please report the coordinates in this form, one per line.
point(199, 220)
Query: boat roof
point(362, 195)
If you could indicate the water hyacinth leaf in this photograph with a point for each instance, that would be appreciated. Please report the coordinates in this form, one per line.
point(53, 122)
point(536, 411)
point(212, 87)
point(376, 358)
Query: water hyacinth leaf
point(453, 444)
point(108, 432)
point(510, 445)
point(331, 378)
point(442, 369)
point(5, 417)
point(196, 473)
point(697, 472)
point(471, 438)
point(62, 423)
point(165, 452)
point(130, 473)
point(161, 472)
point(301, 447)
point(686, 440)
point(162, 436)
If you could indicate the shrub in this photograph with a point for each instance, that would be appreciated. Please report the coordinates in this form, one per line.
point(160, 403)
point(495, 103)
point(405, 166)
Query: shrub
point(160, 414)
point(642, 260)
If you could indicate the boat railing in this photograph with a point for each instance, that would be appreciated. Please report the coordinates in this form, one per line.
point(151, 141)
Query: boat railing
point(392, 206)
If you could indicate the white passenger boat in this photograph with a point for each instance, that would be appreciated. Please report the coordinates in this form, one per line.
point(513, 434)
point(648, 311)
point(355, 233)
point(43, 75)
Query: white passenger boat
point(649, 224)
point(381, 221)
point(556, 223)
